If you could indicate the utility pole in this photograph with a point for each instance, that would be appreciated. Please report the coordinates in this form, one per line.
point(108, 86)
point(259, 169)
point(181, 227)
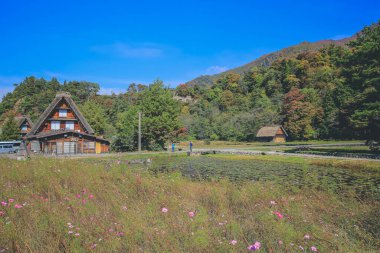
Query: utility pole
point(139, 132)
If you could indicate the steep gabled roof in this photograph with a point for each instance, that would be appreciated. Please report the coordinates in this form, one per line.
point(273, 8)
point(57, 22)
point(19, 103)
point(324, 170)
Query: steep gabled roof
point(269, 131)
point(58, 98)
point(21, 119)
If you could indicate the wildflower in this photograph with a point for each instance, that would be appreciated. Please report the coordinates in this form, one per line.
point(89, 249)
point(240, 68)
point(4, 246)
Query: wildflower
point(11, 200)
point(91, 196)
point(233, 242)
point(71, 226)
point(70, 232)
point(272, 202)
point(299, 246)
point(78, 196)
point(18, 206)
point(307, 237)
point(191, 214)
point(254, 247)
point(280, 242)
point(77, 234)
point(279, 215)
point(110, 230)
point(93, 246)
point(66, 198)
point(3, 203)
point(164, 210)
point(2, 213)
point(84, 201)
point(119, 233)
point(313, 248)
point(125, 208)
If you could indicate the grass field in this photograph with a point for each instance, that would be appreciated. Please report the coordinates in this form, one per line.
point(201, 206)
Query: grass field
point(110, 205)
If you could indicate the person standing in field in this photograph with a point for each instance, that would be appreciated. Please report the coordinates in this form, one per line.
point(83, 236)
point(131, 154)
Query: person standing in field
point(191, 146)
point(173, 147)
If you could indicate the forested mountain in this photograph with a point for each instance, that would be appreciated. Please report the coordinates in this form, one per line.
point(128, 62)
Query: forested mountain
point(268, 59)
point(329, 93)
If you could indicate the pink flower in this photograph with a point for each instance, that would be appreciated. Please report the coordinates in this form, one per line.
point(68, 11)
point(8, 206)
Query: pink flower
point(313, 248)
point(77, 234)
point(18, 206)
point(110, 230)
point(279, 215)
point(233, 242)
point(71, 226)
point(3, 203)
point(70, 232)
point(93, 246)
point(254, 247)
point(272, 202)
point(91, 196)
point(280, 242)
point(307, 237)
point(11, 200)
point(84, 201)
point(78, 196)
point(191, 214)
point(119, 233)
point(2, 213)
point(164, 210)
point(125, 208)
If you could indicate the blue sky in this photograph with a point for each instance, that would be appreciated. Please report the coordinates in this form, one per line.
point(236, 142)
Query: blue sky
point(115, 43)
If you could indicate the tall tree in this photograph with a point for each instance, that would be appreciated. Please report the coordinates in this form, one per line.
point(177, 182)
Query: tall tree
point(160, 116)
point(10, 130)
point(95, 116)
point(362, 70)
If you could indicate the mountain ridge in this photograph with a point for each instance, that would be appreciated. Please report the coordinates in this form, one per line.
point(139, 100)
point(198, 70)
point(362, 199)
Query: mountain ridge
point(267, 59)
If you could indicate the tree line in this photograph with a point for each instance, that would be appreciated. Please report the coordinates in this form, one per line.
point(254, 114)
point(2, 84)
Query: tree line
point(333, 93)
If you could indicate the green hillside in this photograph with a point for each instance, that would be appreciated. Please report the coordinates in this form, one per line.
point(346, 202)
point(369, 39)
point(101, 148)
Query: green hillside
point(267, 59)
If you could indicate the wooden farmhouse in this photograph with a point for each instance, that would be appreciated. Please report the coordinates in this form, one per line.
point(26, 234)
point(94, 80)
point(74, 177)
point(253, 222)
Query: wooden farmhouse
point(272, 134)
point(24, 123)
point(62, 129)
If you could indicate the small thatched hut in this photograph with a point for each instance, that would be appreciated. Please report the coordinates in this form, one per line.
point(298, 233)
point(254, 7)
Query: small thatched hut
point(272, 133)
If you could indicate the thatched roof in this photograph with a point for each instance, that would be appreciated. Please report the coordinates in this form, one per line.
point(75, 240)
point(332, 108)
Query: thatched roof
point(21, 119)
point(58, 98)
point(269, 131)
point(63, 131)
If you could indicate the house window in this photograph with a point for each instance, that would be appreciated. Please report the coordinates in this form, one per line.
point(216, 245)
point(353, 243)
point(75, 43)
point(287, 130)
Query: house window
point(55, 125)
point(24, 127)
point(69, 125)
point(62, 113)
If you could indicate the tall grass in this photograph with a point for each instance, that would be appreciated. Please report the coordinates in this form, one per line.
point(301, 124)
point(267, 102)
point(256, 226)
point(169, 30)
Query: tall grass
point(88, 205)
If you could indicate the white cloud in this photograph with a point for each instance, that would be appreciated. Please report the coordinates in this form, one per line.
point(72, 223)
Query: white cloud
point(216, 70)
point(124, 50)
point(340, 36)
point(110, 91)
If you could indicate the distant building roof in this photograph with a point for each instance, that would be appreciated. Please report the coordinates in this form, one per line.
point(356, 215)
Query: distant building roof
point(21, 119)
point(269, 131)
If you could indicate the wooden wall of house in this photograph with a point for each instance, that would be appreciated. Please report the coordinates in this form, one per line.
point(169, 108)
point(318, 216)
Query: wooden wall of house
point(280, 136)
point(55, 115)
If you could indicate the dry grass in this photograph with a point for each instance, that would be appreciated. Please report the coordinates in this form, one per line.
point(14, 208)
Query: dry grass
point(125, 212)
